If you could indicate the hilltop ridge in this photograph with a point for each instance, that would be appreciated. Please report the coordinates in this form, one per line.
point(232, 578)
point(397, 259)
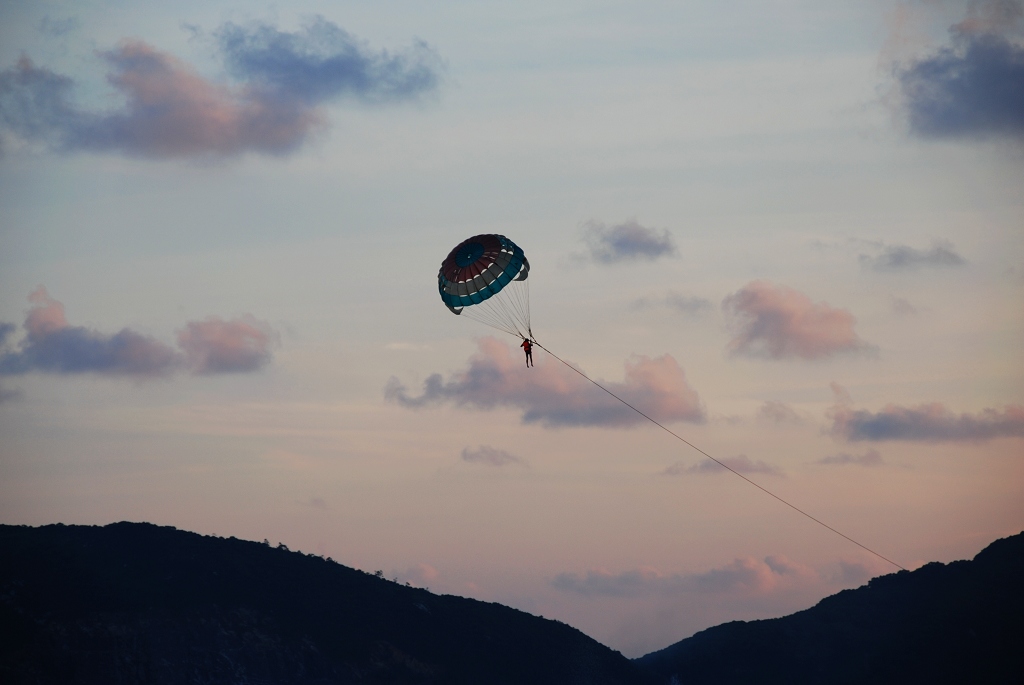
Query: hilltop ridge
point(135, 602)
point(961, 622)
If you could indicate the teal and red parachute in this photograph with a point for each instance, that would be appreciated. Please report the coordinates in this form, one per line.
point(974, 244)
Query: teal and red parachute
point(484, 277)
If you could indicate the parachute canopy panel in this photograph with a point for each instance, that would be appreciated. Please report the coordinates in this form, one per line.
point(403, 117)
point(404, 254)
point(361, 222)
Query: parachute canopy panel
point(488, 270)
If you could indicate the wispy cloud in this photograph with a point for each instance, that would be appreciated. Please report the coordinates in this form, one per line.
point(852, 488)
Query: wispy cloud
point(9, 394)
point(869, 458)
point(683, 304)
point(405, 347)
point(172, 111)
point(740, 463)
point(57, 28)
point(490, 456)
point(52, 345)
point(317, 503)
point(555, 396)
point(7, 330)
point(747, 575)
point(627, 241)
point(970, 88)
point(931, 422)
point(902, 307)
point(777, 322)
point(778, 412)
point(905, 258)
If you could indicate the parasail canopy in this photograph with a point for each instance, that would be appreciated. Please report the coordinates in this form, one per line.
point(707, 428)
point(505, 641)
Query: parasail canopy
point(484, 277)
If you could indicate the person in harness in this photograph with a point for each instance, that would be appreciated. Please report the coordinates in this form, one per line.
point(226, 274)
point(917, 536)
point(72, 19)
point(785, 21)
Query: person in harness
point(528, 348)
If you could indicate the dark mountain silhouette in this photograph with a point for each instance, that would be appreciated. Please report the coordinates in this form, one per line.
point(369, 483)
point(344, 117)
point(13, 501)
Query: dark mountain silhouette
point(961, 622)
point(138, 603)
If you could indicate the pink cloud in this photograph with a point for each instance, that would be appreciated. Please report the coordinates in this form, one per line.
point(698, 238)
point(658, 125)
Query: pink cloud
point(218, 346)
point(749, 574)
point(554, 395)
point(776, 322)
point(172, 111)
point(46, 316)
point(52, 345)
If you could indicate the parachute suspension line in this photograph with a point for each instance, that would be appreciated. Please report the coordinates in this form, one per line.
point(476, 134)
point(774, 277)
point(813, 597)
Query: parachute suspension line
point(519, 298)
point(487, 317)
point(507, 310)
point(684, 440)
point(503, 303)
point(524, 293)
point(484, 315)
point(504, 311)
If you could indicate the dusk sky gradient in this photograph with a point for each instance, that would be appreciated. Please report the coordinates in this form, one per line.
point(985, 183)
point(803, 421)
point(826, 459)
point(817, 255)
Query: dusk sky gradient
point(792, 231)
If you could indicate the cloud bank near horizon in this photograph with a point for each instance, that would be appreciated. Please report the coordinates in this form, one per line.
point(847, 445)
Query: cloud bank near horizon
point(746, 575)
point(172, 111)
point(776, 322)
point(52, 345)
point(554, 396)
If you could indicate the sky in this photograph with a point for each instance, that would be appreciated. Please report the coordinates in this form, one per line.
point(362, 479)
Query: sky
point(790, 231)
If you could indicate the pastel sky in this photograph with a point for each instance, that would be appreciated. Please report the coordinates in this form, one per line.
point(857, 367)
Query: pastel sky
point(789, 230)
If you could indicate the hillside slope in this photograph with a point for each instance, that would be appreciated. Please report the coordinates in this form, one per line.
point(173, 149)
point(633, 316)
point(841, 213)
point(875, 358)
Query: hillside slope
point(961, 622)
point(138, 603)
point(134, 602)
